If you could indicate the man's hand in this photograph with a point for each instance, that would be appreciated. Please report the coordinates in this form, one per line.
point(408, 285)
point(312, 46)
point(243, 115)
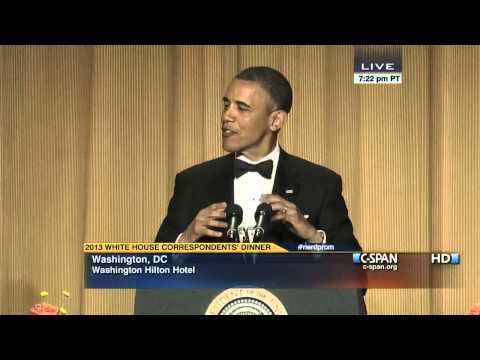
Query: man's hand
point(208, 217)
point(289, 213)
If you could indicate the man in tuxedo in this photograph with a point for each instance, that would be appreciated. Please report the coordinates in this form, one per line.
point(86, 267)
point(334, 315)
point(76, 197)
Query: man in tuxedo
point(306, 198)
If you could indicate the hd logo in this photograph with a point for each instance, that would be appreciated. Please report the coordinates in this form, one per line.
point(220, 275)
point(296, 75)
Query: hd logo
point(445, 258)
point(377, 261)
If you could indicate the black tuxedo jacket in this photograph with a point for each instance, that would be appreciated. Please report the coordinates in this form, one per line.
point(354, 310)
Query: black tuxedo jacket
point(314, 189)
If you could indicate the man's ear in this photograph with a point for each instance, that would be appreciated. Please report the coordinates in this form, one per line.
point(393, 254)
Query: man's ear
point(277, 120)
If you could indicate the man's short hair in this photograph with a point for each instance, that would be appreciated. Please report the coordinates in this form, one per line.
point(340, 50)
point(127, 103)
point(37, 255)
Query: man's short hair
point(273, 82)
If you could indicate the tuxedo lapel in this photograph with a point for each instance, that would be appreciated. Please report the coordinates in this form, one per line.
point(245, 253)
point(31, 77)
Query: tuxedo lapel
point(218, 188)
point(287, 186)
point(286, 182)
point(222, 186)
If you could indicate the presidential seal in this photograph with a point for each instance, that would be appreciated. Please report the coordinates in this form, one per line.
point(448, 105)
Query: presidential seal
point(246, 301)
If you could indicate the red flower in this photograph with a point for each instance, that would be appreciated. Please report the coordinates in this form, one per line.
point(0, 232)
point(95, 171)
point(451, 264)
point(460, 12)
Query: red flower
point(475, 309)
point(44, 309)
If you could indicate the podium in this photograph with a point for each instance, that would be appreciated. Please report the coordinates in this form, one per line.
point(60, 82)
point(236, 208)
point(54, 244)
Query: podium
point(325, 301)
point(313, 299)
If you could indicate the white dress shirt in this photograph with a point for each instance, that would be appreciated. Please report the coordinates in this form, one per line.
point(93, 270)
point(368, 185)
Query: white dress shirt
point(249, 187)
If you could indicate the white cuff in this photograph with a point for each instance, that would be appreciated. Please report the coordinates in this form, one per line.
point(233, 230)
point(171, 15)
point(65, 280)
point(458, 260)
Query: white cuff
point(178, 237)
point(324, 236)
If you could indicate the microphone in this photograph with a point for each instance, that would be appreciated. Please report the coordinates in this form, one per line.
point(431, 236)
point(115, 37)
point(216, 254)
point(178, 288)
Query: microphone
point(263, 214)
point(234, 218)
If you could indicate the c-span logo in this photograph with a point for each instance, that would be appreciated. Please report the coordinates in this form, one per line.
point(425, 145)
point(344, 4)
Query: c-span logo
point(376, 261)
point(246, 301)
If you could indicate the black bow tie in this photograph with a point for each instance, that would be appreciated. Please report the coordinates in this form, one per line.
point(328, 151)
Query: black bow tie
point(264, 168)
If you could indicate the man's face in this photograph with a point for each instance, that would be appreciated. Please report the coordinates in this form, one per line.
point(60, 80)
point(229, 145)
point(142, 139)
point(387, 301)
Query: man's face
point(245, 118)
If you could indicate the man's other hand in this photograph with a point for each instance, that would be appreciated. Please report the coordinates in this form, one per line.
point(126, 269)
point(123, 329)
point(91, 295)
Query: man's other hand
point(200, 226)
point(288, 212)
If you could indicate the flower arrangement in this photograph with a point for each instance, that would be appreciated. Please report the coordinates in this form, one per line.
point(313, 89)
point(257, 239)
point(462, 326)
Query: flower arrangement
point(44, 308)
point(475, 309)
